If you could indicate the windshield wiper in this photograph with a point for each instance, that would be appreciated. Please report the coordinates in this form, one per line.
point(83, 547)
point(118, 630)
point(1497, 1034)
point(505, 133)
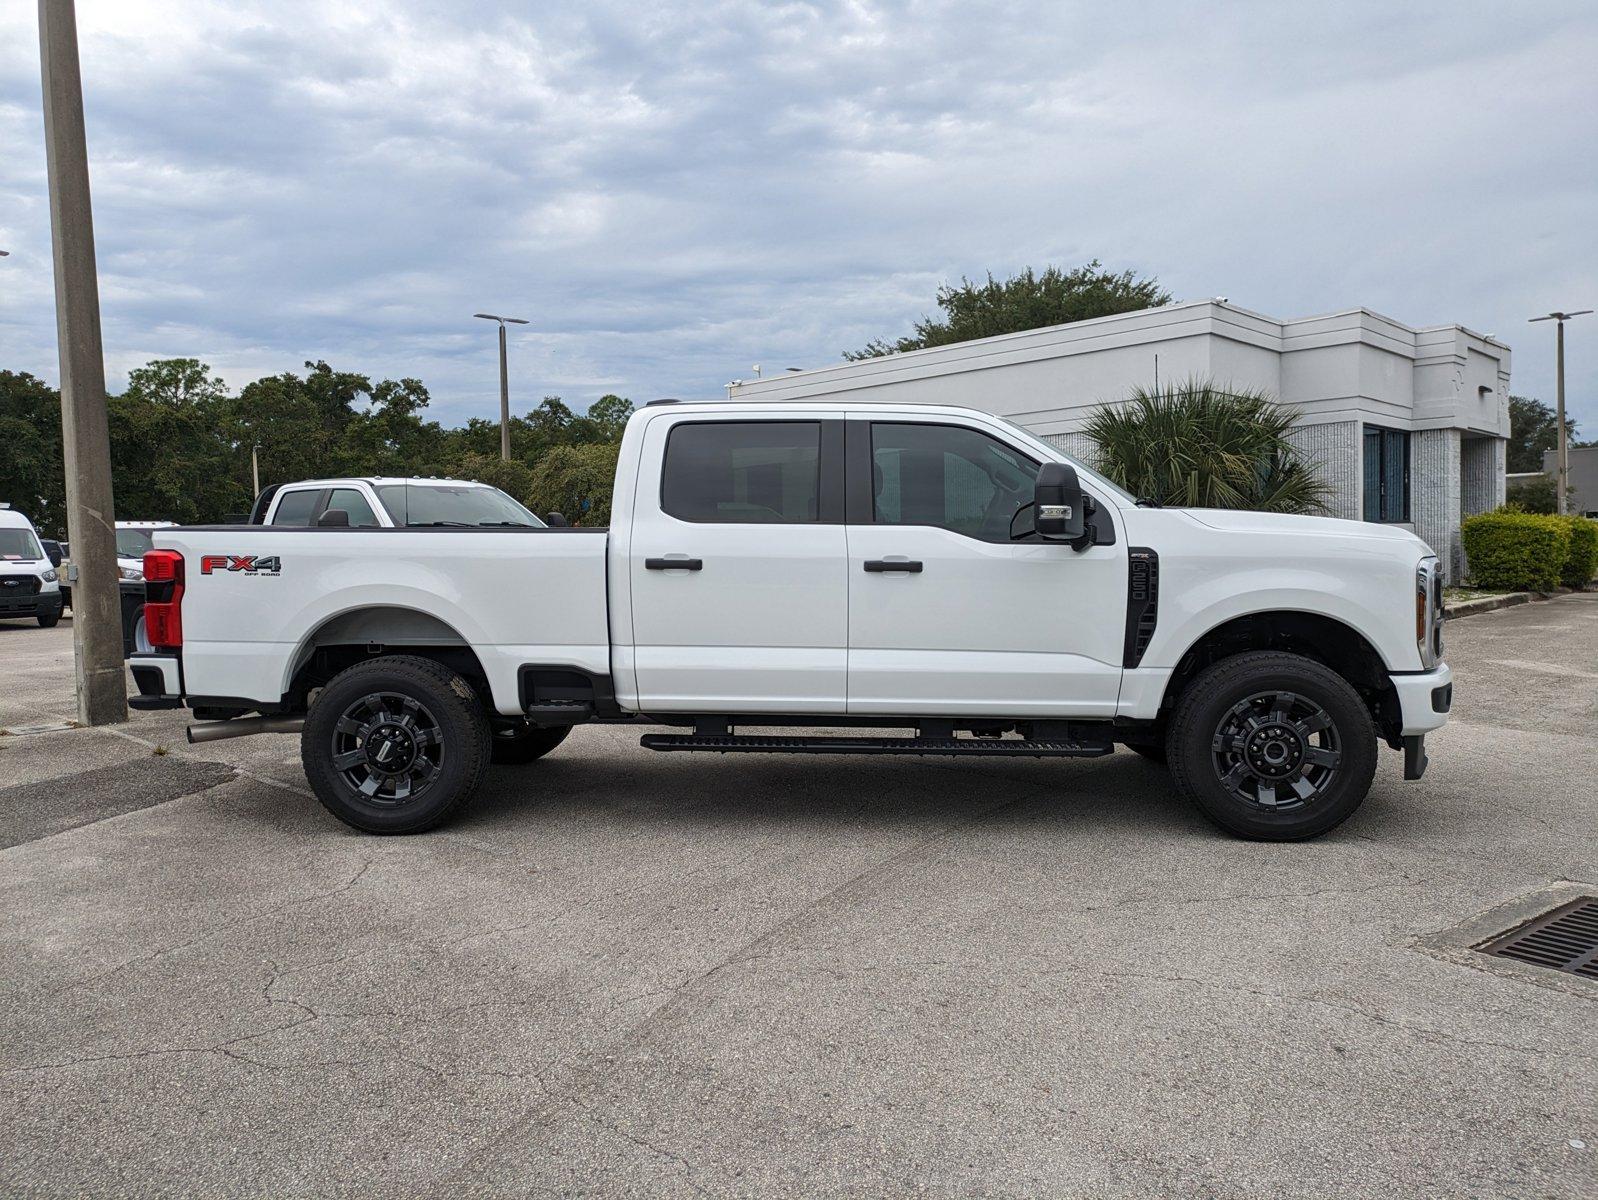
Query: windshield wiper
point(435, 524)
point(508, 524)
point(1145, 502)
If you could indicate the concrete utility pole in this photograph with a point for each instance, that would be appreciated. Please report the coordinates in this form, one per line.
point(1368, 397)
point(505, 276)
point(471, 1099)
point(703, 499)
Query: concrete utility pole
point(504, 382)
point(255, 469)
point(1562, 451)
point(86, 443)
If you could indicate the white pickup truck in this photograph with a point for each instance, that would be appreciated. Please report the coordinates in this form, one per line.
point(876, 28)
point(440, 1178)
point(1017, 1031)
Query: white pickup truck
point(836, 571)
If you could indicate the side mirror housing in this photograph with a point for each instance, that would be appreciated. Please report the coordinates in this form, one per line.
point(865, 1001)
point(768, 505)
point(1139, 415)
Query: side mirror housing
point(334, 518)
point(557, 520)
point(52, 551)
point(1059, 515)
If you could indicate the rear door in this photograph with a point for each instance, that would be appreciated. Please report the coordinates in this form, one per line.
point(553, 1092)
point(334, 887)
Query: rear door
point(948, 613)
point(737, 566)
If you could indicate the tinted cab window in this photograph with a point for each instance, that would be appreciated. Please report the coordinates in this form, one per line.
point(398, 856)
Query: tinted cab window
point(750, 472)
point(295, 508)
point(949, 476)
point(351, 501)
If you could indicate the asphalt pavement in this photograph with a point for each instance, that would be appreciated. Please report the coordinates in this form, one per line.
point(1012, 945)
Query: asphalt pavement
point(628, 973)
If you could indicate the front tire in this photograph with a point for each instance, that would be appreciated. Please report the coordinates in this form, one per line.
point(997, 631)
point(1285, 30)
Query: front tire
point(49, 620)
point(395, 744)
point(1272, 746)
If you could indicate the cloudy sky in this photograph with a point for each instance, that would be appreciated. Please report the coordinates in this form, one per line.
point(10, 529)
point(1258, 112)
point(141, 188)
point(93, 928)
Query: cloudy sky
point(673, 192)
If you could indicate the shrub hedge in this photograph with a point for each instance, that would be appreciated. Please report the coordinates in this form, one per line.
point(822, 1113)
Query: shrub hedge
point(1516, 551)
point(1581, 564)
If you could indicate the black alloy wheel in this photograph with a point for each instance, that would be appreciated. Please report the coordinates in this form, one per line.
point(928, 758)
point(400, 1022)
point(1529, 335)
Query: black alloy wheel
point(388, 747)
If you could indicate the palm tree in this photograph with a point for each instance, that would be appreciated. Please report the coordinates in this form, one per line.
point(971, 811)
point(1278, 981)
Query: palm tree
point(1197, 445)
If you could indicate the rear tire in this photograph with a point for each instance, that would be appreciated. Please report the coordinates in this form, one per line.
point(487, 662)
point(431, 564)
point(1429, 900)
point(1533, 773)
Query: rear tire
point(395, 744)
point(526, 743)
point(1272, 746)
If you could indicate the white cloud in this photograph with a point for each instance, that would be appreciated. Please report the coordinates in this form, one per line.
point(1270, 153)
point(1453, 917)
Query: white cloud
point(673, 192)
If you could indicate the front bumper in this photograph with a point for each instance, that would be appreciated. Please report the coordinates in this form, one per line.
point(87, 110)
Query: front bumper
point(35, 604)
point(1424, 698)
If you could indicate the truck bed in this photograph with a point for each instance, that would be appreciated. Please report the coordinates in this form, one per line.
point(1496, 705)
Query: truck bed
point(256, 597)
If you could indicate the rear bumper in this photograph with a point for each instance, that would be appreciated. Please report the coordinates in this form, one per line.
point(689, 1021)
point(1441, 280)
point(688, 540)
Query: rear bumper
point(159, 679)
point(1424, 698)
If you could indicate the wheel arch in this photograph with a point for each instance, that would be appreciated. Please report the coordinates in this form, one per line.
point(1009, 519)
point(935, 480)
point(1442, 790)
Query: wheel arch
point(1327, 640)
point(370, 631)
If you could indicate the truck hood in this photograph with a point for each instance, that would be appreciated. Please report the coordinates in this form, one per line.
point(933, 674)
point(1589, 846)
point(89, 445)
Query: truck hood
point(1239, 521)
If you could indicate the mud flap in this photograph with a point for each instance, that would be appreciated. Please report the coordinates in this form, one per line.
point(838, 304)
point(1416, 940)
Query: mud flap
point(1415, 759)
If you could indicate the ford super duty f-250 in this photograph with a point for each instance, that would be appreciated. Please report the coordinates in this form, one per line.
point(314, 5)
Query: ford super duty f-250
point(867, 578)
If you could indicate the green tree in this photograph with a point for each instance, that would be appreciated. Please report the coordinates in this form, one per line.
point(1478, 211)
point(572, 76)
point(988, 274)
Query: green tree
point(1196, 445)
point(169, 459)
point(576, 481)
point(31, 477)
point(606, 418)
point(513, 478)
point(1024, 301)
point(1532, 430)
point(1535, 495)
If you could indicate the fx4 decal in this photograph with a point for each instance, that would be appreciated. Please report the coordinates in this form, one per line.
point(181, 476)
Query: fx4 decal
point(247, 564)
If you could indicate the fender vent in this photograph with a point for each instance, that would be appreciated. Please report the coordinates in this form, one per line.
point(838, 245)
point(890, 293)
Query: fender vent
point(1142, 603)
point(1565, 939)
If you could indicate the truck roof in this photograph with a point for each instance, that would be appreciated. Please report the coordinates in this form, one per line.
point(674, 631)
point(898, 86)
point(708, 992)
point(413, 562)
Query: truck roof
point(386, 480)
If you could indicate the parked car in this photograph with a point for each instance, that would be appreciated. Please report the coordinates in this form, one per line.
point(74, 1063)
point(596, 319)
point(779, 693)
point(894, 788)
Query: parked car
point(386, 503)
point(811, 566)
point(29, 582)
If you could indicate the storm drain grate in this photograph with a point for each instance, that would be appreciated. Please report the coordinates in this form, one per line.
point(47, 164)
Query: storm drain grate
point(1565, 939)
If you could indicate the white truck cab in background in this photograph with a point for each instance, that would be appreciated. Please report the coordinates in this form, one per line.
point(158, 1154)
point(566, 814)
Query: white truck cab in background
point(386, 503)
point(834, 569)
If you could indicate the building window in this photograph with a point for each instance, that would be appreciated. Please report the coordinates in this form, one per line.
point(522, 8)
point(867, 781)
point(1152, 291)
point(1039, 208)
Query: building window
point(1386, 474)
point(755, 472)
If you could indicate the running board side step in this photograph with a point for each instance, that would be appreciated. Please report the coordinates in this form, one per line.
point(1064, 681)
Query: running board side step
point(955, 747)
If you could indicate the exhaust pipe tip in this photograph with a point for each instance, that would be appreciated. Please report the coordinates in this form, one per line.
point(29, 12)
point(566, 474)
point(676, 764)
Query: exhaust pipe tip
point(216, 731)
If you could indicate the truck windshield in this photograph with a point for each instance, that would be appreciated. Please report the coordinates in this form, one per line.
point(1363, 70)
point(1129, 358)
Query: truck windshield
point(443, 504)
point(132, 543)
point(18, 545)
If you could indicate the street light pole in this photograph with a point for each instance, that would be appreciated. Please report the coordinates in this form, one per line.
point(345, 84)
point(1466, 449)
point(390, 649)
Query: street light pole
point(504, 382)
point(85, 437)
point(1561, 452)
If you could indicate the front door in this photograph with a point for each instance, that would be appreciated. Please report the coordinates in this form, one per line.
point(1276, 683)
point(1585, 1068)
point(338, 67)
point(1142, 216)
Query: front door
point(947, 614)
point(737, 567)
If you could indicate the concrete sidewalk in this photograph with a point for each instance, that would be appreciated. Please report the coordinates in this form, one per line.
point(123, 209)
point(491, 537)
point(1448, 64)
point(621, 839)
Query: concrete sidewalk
point(631, 973)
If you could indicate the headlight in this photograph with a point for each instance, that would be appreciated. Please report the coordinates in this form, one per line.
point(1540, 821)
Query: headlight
point(130, 572)
point(50, 576)
point(1429, 612)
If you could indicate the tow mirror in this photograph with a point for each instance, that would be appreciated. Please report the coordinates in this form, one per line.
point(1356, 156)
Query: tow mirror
point(334, 518)
point(557, 520)
point(52, 551)
point(1057, 495)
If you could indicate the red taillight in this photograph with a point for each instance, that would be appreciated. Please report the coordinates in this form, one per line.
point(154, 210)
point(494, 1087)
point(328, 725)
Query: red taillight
point(162, 566)
point(163, 599)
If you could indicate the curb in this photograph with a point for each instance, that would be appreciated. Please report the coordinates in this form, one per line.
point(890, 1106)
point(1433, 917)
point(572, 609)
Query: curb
point(1486, 604)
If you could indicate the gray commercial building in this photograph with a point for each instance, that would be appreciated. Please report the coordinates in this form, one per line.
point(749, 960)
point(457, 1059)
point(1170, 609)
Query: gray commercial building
point(1583, 463)
point(1407, 425)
